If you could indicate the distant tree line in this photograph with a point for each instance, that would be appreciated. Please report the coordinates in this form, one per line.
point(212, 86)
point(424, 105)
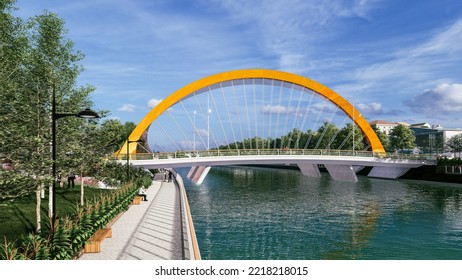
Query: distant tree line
point(328, 136)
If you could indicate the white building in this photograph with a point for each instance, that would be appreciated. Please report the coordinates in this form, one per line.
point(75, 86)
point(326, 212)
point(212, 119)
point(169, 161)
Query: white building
point(384, 126)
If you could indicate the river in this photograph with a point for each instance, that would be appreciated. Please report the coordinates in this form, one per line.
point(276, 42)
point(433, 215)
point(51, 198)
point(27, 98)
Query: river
point(267, 213)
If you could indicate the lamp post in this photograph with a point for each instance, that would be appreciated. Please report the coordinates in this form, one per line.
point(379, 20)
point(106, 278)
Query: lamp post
point(194, 134)
point(128, 155)
point(209, 111)
point(85, 114)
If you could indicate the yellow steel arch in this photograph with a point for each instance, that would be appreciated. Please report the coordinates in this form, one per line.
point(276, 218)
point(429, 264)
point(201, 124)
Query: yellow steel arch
point(322, 90)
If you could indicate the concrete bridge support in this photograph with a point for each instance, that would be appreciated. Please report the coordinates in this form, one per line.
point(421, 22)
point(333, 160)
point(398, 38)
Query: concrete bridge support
point(342, 172)
point(387, 172)
point(310, 170)
point(198, 173)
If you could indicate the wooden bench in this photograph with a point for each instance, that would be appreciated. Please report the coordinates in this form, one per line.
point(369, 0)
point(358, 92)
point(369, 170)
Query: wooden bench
point(136, 200)
point(94, 242)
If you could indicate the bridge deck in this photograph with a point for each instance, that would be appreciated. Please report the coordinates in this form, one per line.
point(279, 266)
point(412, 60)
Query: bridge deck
point(149, 231)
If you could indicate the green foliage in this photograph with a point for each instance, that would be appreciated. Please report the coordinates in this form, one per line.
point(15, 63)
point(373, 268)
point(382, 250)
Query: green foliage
point(445, 161)
point(328, 136)
point(401, 137)
point(382, 137)
point(37, 59)
point(455, 143)
point(15, 184)
point(71, 232)
point(61, 244)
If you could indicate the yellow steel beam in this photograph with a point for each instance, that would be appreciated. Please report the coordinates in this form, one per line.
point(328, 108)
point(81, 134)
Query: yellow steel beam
point(189, 89)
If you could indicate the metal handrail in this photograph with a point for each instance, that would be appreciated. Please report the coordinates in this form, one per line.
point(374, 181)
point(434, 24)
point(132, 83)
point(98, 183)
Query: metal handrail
point(183, 255)
point(279, 152)
point(195, 245)
point(192, 237)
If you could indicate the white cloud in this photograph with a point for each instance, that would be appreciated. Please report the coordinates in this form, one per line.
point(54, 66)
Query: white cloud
point(127, 108)
point(153, 102)
point(274, 109)
point(186, 145)
point(202, 132)
point(370, 109)
point(291, 30)
point(416, 63)
point(438, 102)
point(448, 41)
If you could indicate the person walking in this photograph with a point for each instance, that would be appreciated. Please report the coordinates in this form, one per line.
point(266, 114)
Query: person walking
point(170, 176)
point(70, 179)
point(165, 175)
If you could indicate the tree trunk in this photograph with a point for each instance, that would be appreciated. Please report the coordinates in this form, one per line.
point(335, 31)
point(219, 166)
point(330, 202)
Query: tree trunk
point(37, 208)
point(50, 200)
point(81, 189)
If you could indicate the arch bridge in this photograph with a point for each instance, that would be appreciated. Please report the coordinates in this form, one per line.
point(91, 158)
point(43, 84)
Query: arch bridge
point(259, 116)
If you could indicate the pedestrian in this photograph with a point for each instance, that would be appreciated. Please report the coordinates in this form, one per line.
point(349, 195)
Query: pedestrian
point(60, 180)
point(165, 175)
point(169, 176)
point(142, 193)
point(70, 179)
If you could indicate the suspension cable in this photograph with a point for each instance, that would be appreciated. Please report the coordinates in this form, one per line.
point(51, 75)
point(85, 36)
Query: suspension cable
point(229, 116)
point(287, 114)
point(238, 114)
point(168, 135)
point(247, 113)
point(193, 123)
point(326, 128)
point(181, 130)
point(255, 113)
point(219, 119)
point(314, 125)
point(278, 115)
point(294, 120)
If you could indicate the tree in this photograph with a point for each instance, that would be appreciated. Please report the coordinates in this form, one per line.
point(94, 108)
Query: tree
point(455, 143)
point(401, 137)
point(384, 139)
point(37, 60)
point(349, 138)
point(324, 136)
point(13, 52)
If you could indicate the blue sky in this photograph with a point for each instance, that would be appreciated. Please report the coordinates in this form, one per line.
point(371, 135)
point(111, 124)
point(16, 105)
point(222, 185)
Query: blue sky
point(396, 60)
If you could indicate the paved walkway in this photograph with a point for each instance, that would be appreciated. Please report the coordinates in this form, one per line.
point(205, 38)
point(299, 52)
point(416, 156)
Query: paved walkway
point(149, 231)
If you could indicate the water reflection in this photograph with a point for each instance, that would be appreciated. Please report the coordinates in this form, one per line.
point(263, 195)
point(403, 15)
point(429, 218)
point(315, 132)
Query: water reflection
point(260, 213)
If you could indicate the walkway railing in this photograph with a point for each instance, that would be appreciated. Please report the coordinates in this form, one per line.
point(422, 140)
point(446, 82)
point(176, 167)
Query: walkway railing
point(193, 247)
point(456, 170)
point(281, 152)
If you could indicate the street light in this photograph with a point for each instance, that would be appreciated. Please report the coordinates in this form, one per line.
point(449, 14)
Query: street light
point(128, 156)
point(194, 134)
point(85, 114)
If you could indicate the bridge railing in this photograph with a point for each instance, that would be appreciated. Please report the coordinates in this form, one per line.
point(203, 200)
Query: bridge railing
point(267, 152)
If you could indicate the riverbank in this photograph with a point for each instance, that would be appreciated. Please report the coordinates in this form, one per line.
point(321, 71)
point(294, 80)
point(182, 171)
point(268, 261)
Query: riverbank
point(429, 173)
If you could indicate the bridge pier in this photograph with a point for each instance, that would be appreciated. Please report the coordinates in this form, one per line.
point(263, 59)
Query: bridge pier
point(388, 172)
point(310, 170)
point(342, 172)
point(197, 174)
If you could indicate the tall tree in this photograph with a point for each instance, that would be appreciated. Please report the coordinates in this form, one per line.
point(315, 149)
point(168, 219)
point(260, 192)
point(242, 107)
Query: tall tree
point(37, 60)
point(401, 137)
point(349, 138)
point(382, 137)
point(455, 143)
point(14, 49)
point(324, 135)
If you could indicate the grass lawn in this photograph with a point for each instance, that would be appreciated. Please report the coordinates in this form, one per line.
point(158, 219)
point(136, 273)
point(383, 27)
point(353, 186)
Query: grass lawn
point(17, 216)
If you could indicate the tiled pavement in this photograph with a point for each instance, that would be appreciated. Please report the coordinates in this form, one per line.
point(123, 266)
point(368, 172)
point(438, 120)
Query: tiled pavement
point(148, 231)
